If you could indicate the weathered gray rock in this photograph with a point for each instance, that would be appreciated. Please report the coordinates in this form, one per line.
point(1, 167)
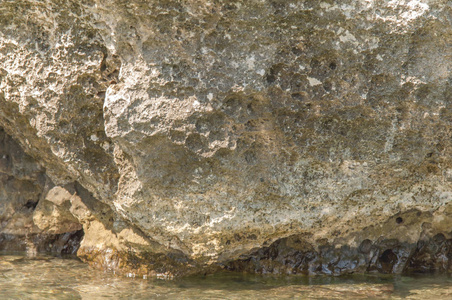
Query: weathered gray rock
point(207, 130)
point(22, 183)
point(22, 186)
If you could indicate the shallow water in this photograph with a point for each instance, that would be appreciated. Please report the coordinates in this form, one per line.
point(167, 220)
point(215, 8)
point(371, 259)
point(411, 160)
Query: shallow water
point(47, 277)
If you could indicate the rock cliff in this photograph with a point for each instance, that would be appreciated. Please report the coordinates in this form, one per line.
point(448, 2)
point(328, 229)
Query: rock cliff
point(178, 137)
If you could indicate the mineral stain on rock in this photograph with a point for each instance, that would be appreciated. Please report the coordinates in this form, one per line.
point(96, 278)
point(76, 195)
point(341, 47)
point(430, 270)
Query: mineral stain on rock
point(295, 137)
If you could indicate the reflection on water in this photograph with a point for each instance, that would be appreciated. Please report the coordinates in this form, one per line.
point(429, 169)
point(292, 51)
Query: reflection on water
point(47, 277)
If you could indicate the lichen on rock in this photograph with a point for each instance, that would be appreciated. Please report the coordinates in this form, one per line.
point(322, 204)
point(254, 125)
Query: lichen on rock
point(185, 137)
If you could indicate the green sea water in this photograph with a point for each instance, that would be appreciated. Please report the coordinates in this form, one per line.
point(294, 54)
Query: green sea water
point(48, 277)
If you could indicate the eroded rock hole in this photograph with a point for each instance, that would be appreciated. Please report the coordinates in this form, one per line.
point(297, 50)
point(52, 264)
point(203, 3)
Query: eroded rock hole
point(60, 244)
point(71, 242)
point(387, 261)
point(399, 220)
point(31, 204)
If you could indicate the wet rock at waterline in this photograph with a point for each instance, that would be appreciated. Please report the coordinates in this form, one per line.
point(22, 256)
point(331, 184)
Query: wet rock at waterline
point(186, 137)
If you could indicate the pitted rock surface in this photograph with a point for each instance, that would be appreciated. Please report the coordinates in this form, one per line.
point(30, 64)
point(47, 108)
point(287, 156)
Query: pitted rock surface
point(212, 129)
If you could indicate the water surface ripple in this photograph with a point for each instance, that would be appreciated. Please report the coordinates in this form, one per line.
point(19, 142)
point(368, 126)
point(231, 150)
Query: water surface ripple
point(47, 277)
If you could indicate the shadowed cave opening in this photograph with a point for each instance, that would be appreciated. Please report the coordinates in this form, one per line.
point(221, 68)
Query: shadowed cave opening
point(56, 244)
point(294, 255)
point(387, 260)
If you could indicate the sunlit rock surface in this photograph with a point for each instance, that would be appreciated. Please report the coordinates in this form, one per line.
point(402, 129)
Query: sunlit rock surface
point(182, 137)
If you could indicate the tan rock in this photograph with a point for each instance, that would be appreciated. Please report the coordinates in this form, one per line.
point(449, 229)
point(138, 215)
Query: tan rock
point(212, 129)
point(53, 214)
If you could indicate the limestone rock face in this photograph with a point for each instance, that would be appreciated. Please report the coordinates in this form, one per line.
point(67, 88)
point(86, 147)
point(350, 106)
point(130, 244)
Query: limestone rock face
point(22, 185)
point(200, 133)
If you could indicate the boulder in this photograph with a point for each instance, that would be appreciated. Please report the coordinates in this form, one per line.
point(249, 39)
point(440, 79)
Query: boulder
point(267, 136)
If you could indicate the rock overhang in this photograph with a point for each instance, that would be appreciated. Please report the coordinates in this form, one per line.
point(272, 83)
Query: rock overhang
point(215, 128)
